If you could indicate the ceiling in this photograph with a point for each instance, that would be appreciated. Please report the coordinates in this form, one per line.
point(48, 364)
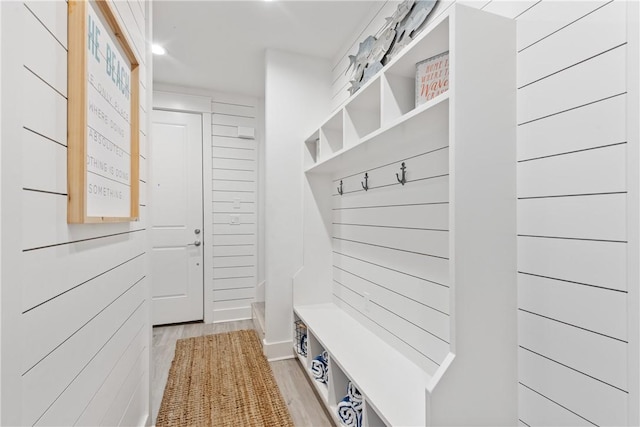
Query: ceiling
point(220, 45)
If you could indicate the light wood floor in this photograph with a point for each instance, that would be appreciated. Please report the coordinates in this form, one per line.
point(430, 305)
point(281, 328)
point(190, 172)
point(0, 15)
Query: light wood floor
point(303, 404)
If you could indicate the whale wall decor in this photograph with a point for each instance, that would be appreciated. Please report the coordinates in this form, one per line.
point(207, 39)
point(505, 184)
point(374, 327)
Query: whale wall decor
point(398, 31)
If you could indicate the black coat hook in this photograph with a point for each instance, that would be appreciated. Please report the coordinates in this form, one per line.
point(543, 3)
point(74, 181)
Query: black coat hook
point(365, 185)
point(340, 188)
point(404, 176)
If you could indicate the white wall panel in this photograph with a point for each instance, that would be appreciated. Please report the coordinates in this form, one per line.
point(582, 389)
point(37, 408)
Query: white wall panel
point(235, 165)
point(600, 217)
point(595, 355)
point(84, 320)
point(598, 170)
point(424, 242)
point(574, 130)
point(234, 153)
point(599, 403)
point(412, 311)
point(47, 380)
point(61, 268)
point(47, 112)
point(604, 75)
point(551, 16)
point(428, 268)
point(233, 142)
point(75, 405)
point(583, 261)
point(46, 223)
point(389, 213)
point(354, 307)
point(233, 109)
point(540, 411)
point(233, 120)
point(41, 158)
point(41, 53)
point(53, 15)
point(597, 309)
point(510, 9)
point(223, 130)
point(565, 49)
point(391, 249)
point(412, 287)
point(78, 305)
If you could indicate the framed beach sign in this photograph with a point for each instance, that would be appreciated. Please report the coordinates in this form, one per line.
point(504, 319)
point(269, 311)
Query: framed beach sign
point(103, 120)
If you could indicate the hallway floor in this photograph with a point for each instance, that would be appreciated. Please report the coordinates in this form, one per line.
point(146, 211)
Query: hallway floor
point(294, 386)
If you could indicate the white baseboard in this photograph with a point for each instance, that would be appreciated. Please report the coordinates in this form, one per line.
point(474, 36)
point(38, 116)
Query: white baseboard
point(278, 350)
point(231, 314)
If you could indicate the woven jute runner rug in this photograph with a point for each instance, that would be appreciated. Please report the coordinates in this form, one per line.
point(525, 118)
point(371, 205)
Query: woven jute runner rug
point(222, 380)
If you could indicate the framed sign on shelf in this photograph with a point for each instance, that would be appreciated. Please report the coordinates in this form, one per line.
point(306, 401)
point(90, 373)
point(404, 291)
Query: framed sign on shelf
point(103, 117)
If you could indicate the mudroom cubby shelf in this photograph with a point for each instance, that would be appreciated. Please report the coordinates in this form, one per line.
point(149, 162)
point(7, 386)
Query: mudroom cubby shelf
point(385, 378)
point(409, 234)
point(315, 349)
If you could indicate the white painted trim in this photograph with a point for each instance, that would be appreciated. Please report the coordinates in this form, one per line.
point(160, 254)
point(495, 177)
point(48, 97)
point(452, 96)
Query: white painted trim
point(281, 350)
point(633, 211)
point(11, 220)
point(149, 102)
point(260, 173)
point(1, 210)
point(207, 218)
point(232, 314)
point(181, 102)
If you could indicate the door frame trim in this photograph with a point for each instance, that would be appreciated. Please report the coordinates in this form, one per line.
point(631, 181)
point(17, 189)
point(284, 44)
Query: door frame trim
point(181, 103)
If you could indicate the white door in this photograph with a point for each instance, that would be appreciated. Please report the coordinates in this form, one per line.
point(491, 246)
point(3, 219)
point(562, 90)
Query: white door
point(176, 217)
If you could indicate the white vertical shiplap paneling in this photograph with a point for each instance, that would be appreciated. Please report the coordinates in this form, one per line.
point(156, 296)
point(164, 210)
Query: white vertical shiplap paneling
point(235, 166)
point(572, 190)
point(84, 290)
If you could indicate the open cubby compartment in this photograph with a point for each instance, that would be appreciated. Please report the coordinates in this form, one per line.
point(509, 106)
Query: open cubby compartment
point(339, 382)
point(312, 152)
point(331, 135)
point(315, 348)
point(362, 113)
point(370, 417)
point(399, 77)
point(301, 337)
point(338, 389)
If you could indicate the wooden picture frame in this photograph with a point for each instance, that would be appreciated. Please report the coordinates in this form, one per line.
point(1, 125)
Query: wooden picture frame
point(103, 117)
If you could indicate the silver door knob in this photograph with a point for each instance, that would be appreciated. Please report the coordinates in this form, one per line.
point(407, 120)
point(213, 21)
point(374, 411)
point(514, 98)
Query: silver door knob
point(196, 243)
point(197, 231)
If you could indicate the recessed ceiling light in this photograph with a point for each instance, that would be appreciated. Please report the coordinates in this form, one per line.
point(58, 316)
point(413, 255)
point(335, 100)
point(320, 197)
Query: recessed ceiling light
point(157, 49)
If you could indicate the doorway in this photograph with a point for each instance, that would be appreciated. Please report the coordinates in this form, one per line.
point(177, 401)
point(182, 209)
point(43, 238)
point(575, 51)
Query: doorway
point(176, 226)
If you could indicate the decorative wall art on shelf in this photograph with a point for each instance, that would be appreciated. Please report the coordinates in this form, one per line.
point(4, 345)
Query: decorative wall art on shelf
point(432, 77)
point(103, 117)
point(374, 52)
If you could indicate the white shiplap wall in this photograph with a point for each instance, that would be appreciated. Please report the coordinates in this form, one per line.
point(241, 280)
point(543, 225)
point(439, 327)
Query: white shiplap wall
point(572, 207)
point(235, 170)
point(392, 244)
point(80, 291)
